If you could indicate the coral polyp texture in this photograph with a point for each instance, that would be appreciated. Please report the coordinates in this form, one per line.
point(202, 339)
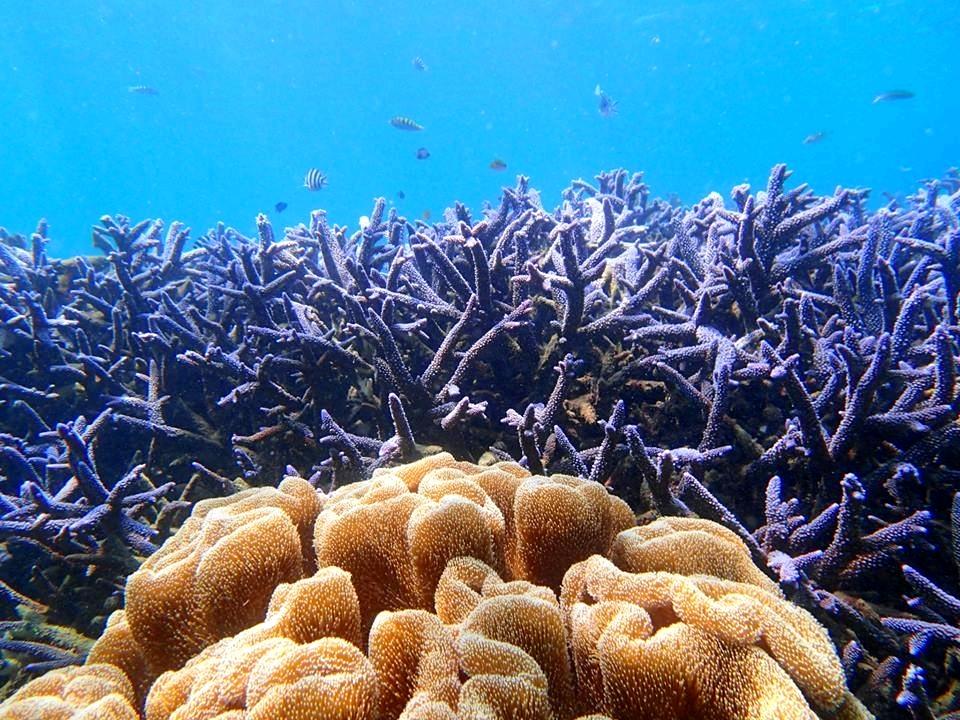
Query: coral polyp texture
point(779, 362)
point(451, 590)
point(90, 692)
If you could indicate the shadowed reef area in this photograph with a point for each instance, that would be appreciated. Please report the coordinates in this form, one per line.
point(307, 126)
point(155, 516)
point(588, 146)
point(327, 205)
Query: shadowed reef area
point(780, 363)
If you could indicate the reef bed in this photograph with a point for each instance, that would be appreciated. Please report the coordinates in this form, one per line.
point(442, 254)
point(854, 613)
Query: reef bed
point(781, 363)
point(484, 593)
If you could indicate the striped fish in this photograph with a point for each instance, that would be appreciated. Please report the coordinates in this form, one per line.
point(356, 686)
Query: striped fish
point(314, 180)
point(419, 64)
point(143, 90)
point(404, 123)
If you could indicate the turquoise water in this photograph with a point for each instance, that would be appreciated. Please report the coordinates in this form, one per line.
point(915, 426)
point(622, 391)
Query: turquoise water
point(710, 94)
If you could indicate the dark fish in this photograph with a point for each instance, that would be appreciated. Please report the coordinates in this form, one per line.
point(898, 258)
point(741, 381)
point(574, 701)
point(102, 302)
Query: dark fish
point(498, 164)
point(280, 206)
point(404, 123)
point(419, 64)
point(607, 105)
point(401, 194)
point(314, 180)
point(814, 137)
point(893, 95)
point(423, 154)
point(143, 90)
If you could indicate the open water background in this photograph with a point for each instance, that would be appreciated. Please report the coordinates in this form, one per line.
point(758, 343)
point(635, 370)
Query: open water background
point(252, 95)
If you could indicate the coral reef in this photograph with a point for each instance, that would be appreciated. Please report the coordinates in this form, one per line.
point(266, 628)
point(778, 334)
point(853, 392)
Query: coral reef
point(780, 362)
point(650, 633)
point(219, 571)
point(89, 692)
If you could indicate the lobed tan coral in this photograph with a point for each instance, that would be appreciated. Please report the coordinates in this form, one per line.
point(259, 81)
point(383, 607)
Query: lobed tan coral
point(118, 647)
point(513, 648)
point(705, 643)
point(304, 652)
point(214, 577)
point(436, 509)
point(688, 546)
point(448, 590)
point(415, 658)
point(89, 692)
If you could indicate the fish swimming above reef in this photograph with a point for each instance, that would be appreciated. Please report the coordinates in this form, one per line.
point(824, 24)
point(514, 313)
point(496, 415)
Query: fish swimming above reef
point(314, 180)
point(404, 123)
point(813, 138)
point(422, 153)
point(401, 194)
point(892, 95)
point(143, 90)
point(498, 165)
point(280, 206)
point(607, 106)
point(419, 64)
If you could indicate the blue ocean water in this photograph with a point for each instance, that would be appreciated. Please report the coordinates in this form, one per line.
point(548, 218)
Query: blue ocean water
point(250, 97)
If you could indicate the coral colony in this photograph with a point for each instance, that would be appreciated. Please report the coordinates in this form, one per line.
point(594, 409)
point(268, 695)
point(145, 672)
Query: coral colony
point(779, 363)
point(478, 588)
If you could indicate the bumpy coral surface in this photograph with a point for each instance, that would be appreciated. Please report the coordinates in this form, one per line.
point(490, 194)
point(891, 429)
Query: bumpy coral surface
point(450, 590)
point(91, 692)
point(215, 577)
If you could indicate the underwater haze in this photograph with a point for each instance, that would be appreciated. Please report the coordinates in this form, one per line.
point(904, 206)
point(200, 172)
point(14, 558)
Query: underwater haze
point(250, 96)
point(517, 360)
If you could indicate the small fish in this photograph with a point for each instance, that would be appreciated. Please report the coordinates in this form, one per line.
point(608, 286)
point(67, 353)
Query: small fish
point(143, 90)
point(893, 95)
point(280, 206)
point(423, 153)
point(404, 123)
point(419, 64)
point(401, 194)
point(498, 164)
point(426, 214)
point(607, 106)
point(314, 180)
point(814, 137)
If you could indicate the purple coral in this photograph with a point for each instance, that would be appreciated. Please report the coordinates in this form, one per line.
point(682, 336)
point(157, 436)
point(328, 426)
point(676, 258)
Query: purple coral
point(682, 356)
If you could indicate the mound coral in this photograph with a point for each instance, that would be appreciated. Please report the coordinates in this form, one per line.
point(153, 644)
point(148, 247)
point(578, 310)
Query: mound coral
point(89, 692)
point(225, 563)
point(303, 654)
point(663, 644)
point(450, 590)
